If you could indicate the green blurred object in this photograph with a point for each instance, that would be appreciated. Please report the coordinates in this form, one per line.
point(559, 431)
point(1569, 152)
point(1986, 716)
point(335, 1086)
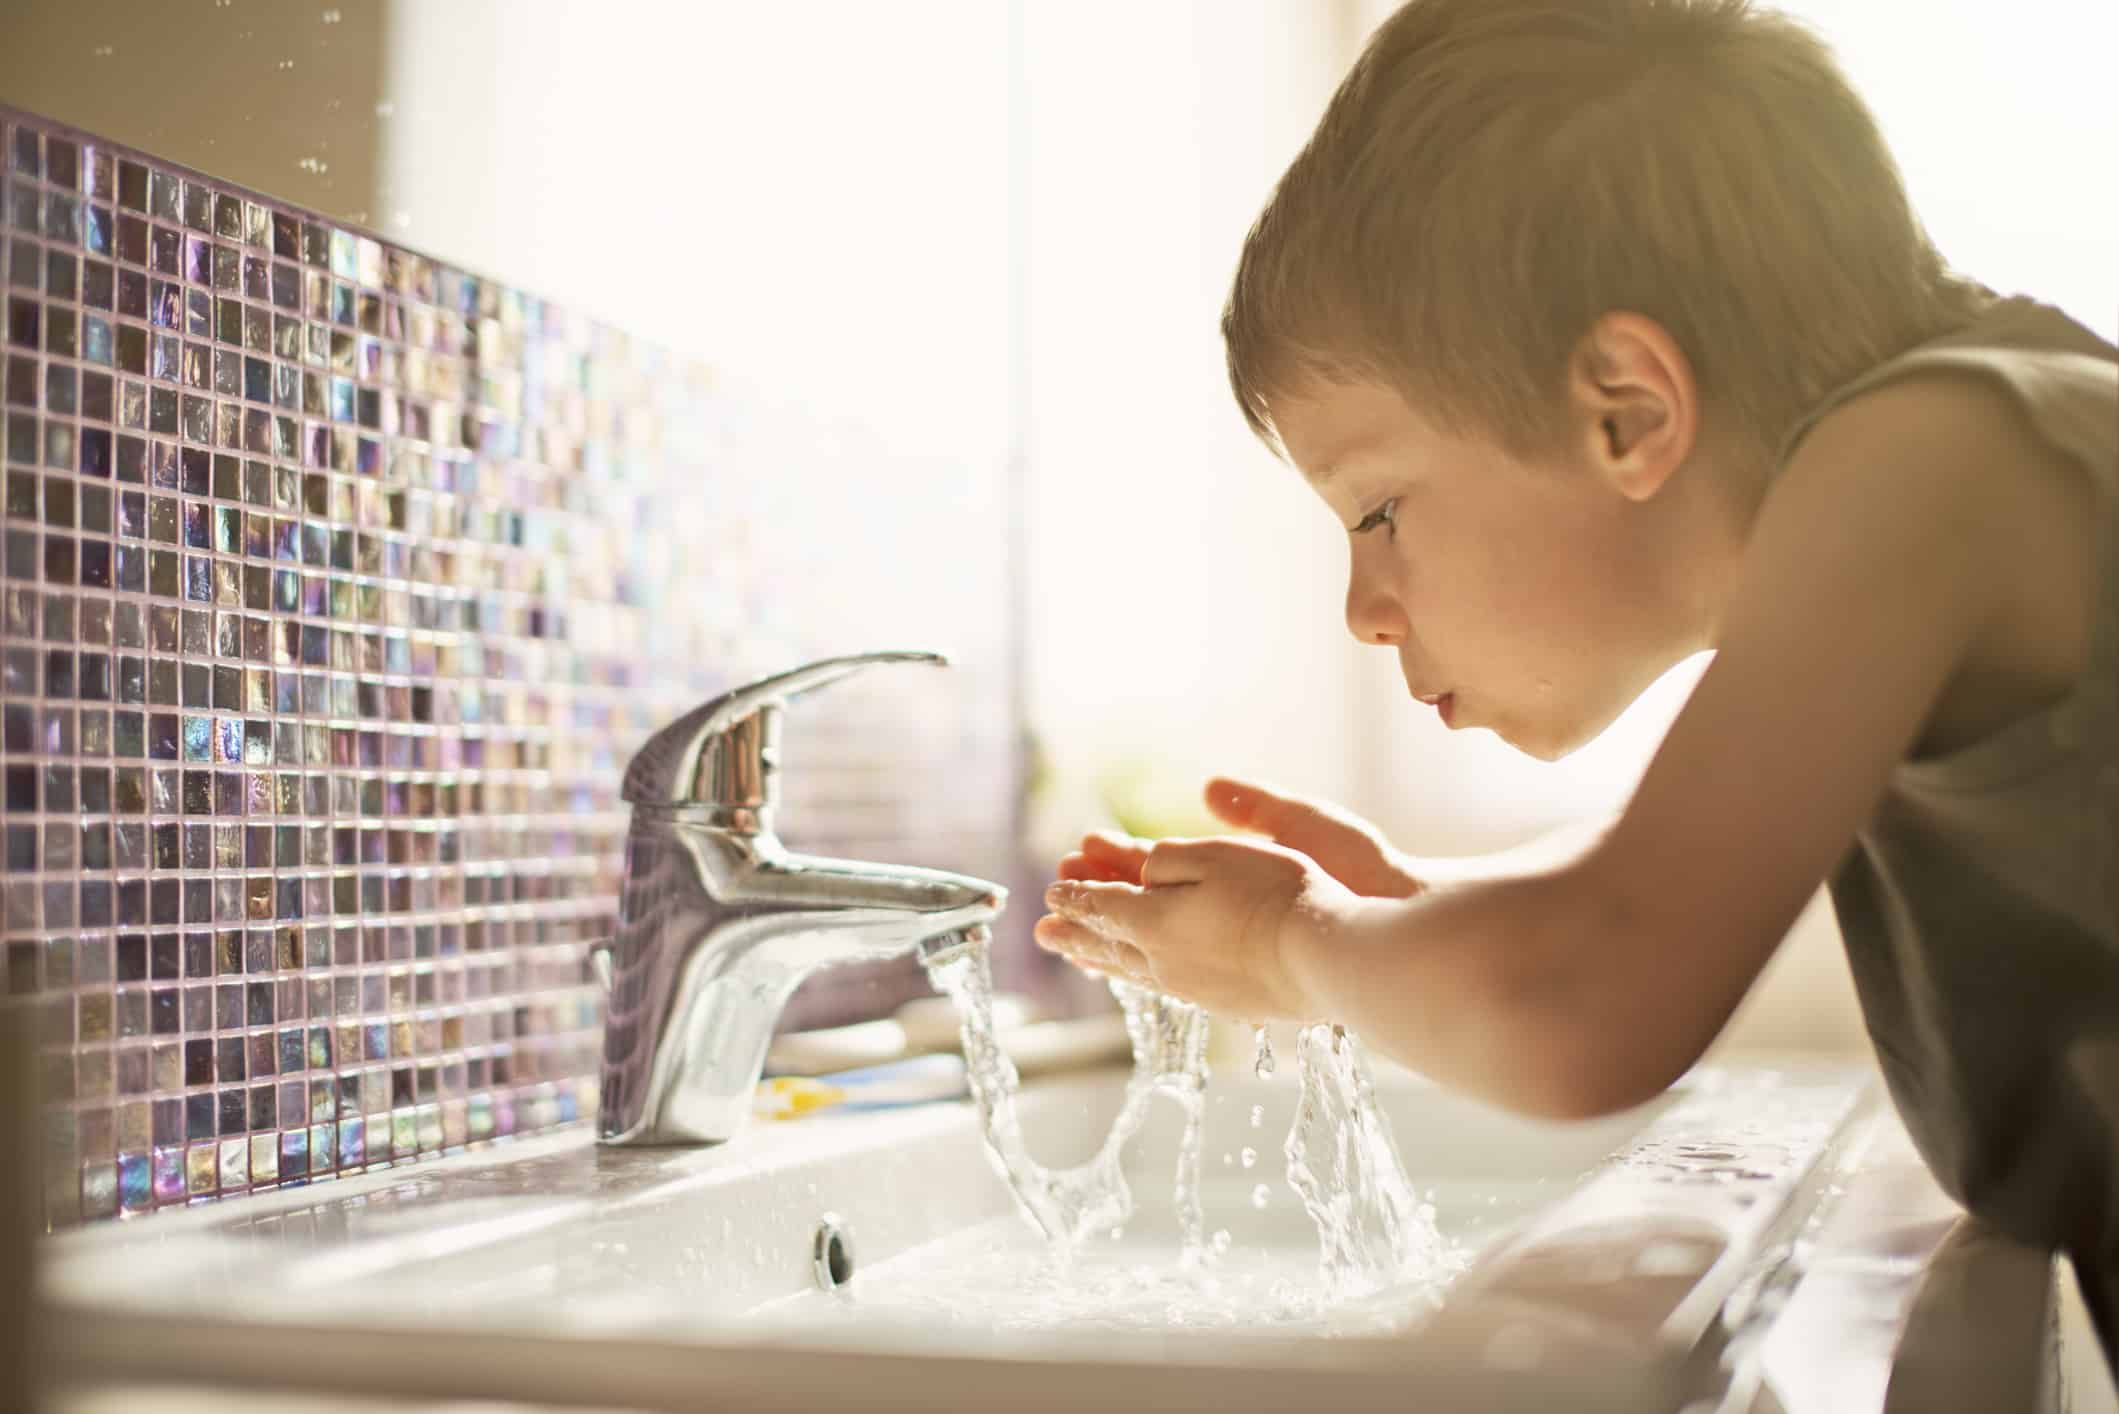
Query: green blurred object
point(1037, 767)
point(1150, 802)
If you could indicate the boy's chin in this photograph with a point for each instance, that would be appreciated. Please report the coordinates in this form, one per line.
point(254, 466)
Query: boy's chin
point(1541, 748)
point(1550, 738)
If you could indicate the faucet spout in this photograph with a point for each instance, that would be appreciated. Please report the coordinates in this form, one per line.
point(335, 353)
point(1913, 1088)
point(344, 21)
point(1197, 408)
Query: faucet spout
point(718, 924)
point(714, 935)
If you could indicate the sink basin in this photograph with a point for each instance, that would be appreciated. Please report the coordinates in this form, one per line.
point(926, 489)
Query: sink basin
point(1604, 1264)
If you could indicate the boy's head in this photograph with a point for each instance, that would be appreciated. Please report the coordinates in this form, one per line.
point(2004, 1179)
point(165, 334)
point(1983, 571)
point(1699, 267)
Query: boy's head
point(1533, 233)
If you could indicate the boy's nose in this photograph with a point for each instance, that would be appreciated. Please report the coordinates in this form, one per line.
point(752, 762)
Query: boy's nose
point(1373, 614)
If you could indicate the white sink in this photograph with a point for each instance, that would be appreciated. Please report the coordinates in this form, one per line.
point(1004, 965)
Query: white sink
point(1611, 1263)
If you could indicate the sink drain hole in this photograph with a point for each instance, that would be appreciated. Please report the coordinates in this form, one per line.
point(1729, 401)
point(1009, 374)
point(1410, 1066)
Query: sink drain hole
point(831, 1255)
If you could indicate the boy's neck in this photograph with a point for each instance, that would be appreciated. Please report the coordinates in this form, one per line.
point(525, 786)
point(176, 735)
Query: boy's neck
point(1711, 511)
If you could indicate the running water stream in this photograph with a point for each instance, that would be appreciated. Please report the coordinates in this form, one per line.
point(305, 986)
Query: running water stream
point(1373, 1232)
point(1067, 1205)
point(1372, 1229)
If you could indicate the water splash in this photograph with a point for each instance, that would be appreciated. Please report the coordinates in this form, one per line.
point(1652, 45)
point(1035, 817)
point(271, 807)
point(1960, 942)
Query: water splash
point(1067, 1205)
point(1262, 1062)
point(990, 1277)
point(1372, 1229)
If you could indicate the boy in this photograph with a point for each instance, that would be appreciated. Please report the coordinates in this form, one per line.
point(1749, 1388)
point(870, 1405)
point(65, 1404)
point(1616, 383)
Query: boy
point(1605, 330)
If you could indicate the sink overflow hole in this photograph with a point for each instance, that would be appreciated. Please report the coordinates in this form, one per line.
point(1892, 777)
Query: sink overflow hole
point(831, 1255)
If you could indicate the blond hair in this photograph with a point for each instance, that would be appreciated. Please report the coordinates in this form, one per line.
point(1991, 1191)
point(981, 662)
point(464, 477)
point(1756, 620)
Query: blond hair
point(1493, 175)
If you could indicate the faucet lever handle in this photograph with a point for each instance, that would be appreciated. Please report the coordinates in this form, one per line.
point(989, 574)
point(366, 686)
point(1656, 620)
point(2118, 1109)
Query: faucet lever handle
point(724, 752)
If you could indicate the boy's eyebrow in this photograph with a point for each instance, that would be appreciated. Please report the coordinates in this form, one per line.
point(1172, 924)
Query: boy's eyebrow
point(1360, 443)
point(1330, 468)
point(1340, 458)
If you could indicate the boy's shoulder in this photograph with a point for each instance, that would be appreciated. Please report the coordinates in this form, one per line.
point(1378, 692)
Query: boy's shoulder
point(1955, 462)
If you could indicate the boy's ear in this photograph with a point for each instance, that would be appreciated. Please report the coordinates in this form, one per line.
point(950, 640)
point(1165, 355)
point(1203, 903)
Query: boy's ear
point(1633, 405)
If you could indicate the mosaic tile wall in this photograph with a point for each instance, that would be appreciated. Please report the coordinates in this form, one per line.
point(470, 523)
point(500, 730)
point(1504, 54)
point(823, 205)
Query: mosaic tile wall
point(337, 587)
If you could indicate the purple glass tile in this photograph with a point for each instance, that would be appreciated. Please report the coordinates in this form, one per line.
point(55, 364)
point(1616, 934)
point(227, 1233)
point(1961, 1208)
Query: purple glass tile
point(337, 588)
point(169, 1175)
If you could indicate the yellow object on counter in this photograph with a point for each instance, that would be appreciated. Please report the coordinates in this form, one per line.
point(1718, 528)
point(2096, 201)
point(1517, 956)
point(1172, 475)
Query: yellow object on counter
point(908, 1082)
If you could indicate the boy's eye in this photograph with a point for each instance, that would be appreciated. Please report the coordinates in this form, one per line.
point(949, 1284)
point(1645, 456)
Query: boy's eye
point(1379, 516)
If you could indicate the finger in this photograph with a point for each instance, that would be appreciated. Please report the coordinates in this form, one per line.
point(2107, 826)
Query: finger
point(1088, 949)
point(1078, 866)
point(1105, 954)
point(1306, 825)
point(1239, 803)
point(1056, 934)
point(1114, 843)
point(1115, 910)
point(1178, 862)
point(1346, 845)
point(1122, 853)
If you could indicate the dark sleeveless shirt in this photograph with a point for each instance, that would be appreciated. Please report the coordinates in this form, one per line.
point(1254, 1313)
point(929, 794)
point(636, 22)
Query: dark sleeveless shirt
point(1980, 903)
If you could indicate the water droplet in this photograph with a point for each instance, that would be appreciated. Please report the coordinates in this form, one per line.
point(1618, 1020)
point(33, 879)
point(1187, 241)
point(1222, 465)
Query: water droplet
point(1250, 1157)
point(1260, 1196)
point(314, 164)
point(331, 17)
point(1258, 1116)
point(1220, 1242)
point(385, 109)
point(284, 65)
point(1262, 1064)
point(104, 51)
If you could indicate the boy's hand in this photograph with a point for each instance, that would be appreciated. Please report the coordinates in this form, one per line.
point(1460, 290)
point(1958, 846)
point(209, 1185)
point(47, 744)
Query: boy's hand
point(1218, 922)
point(1211, 920)
point(1345, 846)
point(1348, 847)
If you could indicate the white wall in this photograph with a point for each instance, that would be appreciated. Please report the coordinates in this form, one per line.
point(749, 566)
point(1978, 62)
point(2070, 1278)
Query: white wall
point(813, 197)
point(1186, 586)
point(2002, 119)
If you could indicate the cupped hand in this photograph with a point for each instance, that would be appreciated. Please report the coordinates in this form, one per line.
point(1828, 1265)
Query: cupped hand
point(1219, 922)
point(1345, 846)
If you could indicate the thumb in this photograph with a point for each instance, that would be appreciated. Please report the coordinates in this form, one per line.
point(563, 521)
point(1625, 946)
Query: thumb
point(1346, 847)
point(1299, 824)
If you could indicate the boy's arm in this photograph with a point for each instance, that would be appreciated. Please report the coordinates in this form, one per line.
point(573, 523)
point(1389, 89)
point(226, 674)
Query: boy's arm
point(1872, 569)
point(1557, 848)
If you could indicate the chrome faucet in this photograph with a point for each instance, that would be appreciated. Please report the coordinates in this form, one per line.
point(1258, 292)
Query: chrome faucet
point(718, 923)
